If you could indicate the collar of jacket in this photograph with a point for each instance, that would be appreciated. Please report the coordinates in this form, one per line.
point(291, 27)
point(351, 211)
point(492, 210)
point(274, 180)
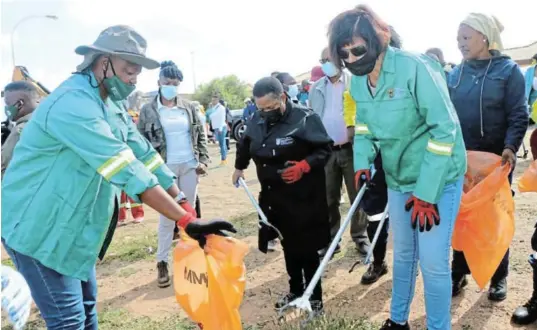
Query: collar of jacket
point(179, 102)
point(323, 82)
point(23, 119)
point(388, 65)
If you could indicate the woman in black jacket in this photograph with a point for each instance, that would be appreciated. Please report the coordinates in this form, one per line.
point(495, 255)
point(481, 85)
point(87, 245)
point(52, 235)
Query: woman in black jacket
point(290, 147)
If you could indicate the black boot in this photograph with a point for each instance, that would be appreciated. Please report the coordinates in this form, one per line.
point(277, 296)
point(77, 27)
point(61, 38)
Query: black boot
point(527, 313)
point(285, 300)
point(390, 325)
point(374, 272)
point(498, 290)
point(459, 282)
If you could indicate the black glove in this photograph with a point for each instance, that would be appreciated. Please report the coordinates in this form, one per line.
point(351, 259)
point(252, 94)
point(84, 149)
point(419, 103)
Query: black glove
point(199, 229)
point(266, 234)
point(534, 239)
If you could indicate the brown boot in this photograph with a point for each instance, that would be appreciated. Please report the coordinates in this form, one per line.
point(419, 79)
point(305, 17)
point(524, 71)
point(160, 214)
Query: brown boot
point(163, 279)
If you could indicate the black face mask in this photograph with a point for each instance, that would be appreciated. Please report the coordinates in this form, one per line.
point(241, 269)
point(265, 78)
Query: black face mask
point(366, 64)
point(271, 117)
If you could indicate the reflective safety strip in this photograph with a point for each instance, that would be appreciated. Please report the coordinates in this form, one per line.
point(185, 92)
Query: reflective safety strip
point(136, 205)
point(123, 205)
point(361, 129)
point(154, 163)
point(440, 148)
point(116, 164)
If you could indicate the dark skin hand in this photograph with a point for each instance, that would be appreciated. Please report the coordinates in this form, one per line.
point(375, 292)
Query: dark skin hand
point(163, 202)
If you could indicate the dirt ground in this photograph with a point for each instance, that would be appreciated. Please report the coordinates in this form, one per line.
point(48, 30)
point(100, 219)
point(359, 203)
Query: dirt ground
point(133, 286)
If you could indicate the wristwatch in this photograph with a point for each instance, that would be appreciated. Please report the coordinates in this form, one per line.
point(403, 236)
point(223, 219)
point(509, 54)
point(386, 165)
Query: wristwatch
point(181, 198)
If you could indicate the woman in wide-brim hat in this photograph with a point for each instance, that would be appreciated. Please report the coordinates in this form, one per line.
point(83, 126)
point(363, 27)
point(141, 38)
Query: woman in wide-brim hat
point(59, 194)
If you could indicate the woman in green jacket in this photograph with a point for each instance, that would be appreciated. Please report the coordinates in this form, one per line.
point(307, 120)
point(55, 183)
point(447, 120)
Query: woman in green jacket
point(76, 155)
point(404, 110)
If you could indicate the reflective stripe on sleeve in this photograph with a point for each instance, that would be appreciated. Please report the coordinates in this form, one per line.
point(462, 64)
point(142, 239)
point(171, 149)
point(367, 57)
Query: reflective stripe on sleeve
point(440, 148)
point(116, 164)
point(362, 129)
point(155, 162)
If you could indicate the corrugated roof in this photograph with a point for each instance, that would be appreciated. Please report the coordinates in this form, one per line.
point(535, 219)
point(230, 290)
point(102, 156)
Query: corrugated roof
point(523, 53)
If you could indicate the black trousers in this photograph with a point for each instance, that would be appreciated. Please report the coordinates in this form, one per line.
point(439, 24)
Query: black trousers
point(459, 267)
point(379, 252)
point(301, 267)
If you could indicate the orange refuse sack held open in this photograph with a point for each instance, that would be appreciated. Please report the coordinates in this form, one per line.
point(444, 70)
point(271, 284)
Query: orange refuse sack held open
point(485, 224)
point(209, 283)
point(528, 181)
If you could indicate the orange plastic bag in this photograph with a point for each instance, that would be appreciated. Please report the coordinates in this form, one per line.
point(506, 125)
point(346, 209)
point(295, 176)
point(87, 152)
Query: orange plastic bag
point(209, 285)
point(485, 224)
point(528, 181)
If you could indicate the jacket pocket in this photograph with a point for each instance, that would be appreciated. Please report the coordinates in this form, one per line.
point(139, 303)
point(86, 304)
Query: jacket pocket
point(494, 91)
point(395, 119)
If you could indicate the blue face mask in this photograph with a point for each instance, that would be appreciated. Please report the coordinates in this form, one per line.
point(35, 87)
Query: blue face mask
point(329, 69)
point(169, 92)
point(293, 91)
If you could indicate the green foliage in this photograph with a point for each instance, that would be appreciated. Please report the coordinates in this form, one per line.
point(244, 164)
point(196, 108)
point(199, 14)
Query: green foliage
point(230, 89)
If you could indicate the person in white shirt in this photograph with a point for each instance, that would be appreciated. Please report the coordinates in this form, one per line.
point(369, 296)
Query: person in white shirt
point(217, 116)
point(172, 126)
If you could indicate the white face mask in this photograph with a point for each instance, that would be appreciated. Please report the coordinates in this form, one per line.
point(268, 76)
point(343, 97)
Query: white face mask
point(535, 83)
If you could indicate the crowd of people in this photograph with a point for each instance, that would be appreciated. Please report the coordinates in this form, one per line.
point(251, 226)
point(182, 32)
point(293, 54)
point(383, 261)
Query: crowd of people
point(373, 114)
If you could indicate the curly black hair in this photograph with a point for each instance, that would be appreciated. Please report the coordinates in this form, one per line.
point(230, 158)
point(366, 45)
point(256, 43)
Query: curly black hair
point(170, 70)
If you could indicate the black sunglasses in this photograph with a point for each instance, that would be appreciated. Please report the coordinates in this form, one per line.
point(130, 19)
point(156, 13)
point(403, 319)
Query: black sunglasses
point(356, 51)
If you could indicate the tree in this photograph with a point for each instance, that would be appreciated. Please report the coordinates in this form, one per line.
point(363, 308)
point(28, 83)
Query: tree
point(230, 89)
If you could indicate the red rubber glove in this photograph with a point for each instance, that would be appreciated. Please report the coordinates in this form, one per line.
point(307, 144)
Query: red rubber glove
point(188, 208)
point(361, 177)
point(294, 171)
point(425, 213)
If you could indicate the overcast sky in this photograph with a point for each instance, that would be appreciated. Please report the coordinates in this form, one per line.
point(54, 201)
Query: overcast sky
point(249, 38)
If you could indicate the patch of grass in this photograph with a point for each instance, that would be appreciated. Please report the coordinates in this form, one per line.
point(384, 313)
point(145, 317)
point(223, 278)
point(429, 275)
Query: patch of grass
point(132, 248)
point(117, 319)
point(126, 272)
point(335, 323)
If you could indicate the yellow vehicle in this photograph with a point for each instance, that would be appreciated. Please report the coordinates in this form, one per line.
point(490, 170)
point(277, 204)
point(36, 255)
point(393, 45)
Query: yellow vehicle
point(21, 73)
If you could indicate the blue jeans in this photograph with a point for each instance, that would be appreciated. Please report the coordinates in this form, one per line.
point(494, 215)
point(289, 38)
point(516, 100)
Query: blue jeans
point(64, 302)
point(221, 138)
point(432, 249)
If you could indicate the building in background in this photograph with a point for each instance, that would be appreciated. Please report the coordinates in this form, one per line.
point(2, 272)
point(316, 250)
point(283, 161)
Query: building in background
point(523, 54)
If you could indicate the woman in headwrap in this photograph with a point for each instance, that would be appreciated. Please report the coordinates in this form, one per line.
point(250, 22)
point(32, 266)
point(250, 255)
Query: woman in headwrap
point(487, 90)
point(403, 110)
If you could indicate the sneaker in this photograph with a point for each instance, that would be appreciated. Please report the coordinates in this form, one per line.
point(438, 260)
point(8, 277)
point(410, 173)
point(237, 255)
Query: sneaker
point(163, 279)
point(121, 223)
point(459, 282)
point(527, 313)
point(138, 220)
point(285, 300)
point(498, 290)
point(374, 272)
point(390, 325)
point(272, 245)
point(223, 163)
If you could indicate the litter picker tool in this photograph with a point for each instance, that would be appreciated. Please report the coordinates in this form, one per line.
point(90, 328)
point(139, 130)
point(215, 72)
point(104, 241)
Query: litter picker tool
point(262, 215)
point(303, 303)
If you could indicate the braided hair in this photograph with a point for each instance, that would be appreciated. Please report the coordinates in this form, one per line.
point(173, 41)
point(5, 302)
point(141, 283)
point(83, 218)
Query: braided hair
point(168, 69)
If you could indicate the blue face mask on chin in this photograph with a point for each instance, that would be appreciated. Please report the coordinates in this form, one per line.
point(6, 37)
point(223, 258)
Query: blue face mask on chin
point(169, 92)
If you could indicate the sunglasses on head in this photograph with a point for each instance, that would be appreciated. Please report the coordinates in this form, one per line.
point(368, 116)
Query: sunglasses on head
point(356, 51)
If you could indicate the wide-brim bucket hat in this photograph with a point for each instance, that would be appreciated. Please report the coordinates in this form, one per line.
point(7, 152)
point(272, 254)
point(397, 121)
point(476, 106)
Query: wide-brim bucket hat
point(122, 41)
